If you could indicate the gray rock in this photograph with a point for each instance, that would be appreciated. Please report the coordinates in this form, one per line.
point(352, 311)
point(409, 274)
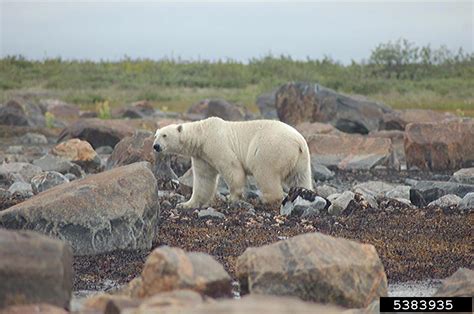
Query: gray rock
point(19, 170)
point(210, 213)
point(432, 190)
point(20, 112)
point(34, 139)
point(47, 180)
point(112, 210)
point(465, 175)
point(376, 189)
point(302, 202)
point(21, 188)
point(266, 105)
point(15, 149)
point(314, 267)
point(399, 192)
point(325, 190)
point(467, 202)
point(70, 176)
point(320, 172)
point(341, 203)
point(445, 201)
point(104, 150)
point(34, 269)
point(59, 164)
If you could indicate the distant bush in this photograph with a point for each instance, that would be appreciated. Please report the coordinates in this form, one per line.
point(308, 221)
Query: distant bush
point(103, 110)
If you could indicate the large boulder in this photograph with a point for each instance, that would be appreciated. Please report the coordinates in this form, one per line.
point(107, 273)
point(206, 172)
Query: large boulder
point(440, 146)
point(19, 112)
point(348, 152)
point(218, 108)
point(460, 284)
point(399, 119)
point(79, 152)
point(139, 147)
point(305, 102)
point(168, 269)
point(116, 209)
point(315, 267)
point(97, 132)
point(34, 269)
point(266, 105)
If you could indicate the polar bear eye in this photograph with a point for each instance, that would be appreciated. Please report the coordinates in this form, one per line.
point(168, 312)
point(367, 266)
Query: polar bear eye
point(164, 135)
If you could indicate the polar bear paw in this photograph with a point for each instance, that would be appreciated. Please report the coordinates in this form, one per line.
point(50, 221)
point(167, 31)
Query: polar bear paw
point(186, 205)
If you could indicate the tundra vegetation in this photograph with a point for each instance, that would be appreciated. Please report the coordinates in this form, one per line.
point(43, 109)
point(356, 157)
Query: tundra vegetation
point(400, 74)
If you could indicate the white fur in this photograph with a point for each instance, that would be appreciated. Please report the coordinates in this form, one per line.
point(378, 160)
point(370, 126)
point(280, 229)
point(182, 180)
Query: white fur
point(272, 151)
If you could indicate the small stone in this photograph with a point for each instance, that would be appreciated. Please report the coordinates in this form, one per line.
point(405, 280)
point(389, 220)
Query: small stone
point(34, 139)
point(47, 180)
point(22, 188)
point(321, 172)
point(341, 203)
point(104, 150)
point(445, 201)
point(467, 202)
point(70, 176)
point(400, 191)
point(465, 175)
point(325, 190)
point(210, 213)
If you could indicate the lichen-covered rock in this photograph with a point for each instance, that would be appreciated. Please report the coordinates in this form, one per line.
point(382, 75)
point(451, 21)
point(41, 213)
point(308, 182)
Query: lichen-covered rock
point(440, 146)
point(315, 267)
point(34, 269)
point(79, 152)
point(460, 284)
point(168, 269)
point(305, 102)
point(116, 209)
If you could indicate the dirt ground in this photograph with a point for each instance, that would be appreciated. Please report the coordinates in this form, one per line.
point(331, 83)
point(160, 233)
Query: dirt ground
point(413, 244)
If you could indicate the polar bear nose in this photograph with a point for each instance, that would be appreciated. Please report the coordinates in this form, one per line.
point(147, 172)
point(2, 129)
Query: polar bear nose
point(157, 147)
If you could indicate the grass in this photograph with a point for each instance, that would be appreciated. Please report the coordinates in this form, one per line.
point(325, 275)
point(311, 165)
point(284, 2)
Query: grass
point(173, 85)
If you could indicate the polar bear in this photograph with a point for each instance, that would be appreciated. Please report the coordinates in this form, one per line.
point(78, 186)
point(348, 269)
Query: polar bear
point(272, 151)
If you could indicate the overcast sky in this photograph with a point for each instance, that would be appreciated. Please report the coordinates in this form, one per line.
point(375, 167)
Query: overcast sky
point(238, 30)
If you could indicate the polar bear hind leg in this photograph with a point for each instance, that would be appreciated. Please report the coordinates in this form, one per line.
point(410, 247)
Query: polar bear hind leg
point(204, 184)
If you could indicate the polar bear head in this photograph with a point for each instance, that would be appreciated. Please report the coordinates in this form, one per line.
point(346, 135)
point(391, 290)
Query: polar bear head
point(167, 139)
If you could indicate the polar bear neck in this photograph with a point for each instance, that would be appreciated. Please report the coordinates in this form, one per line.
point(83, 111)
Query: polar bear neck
point(191, 144)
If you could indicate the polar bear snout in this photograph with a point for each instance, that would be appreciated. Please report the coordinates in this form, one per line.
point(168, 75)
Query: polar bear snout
point(157, 147)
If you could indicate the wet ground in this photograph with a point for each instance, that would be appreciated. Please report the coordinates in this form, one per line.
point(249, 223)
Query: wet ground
point(413, 244)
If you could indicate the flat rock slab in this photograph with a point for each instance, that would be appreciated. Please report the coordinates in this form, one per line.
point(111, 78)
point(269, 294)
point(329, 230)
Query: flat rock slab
point(34, 269)
point(315, 267)
point(350, 152)
point(116, 209)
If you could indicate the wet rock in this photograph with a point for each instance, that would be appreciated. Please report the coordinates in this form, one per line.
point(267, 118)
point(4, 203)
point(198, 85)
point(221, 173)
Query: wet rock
point(139, 147)
point(399, 119)
point(17, 171)
point(19, 112)
point(116, 209)
point(320, 172)
point(33, 139)
point(315, 267)
point(41, 308)
point(341, 203)
point(467, 202)
point(210, 213)
point(432, 190)
point(325, 190)
point(59, 164)
point(266, 105)
point(79, 152)
point(465, 175)
point(47, 180)
point(21, 188)
point(217, 108)
point(448, 200)
point(168, 269)
point(34, 269)
point(305, 102)
point(302, 202)
point(440, 146)
point(460, 284)
point(351, 152)
point(97, 132)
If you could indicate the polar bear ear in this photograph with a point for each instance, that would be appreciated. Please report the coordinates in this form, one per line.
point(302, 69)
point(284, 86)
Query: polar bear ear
point(179, 128)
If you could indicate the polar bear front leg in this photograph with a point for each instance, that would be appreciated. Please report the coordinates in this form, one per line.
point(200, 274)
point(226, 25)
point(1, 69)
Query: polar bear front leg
point(235, 178)
point(204, 184)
